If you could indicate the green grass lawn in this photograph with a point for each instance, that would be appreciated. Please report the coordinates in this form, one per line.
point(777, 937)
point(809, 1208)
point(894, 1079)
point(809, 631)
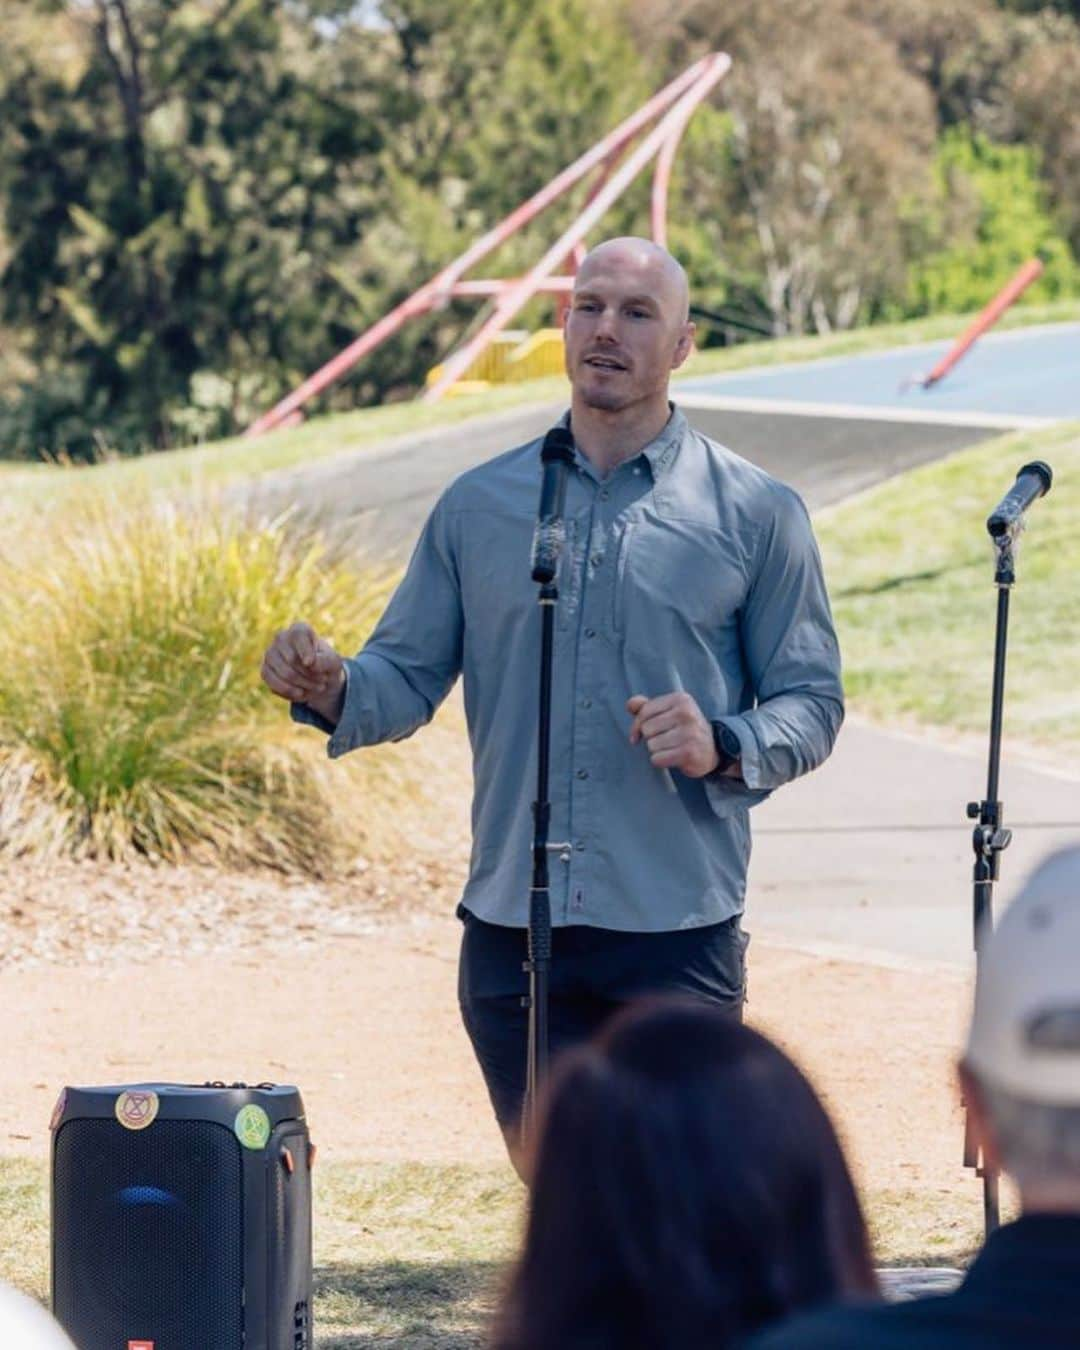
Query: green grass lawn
point(27, 488)
point(406, 1256)
point(910, 569)
point(411, 1256)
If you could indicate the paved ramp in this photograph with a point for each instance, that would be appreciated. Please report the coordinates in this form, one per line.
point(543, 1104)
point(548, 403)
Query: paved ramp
point(872, 855)
point(1030, 376)
point(828, 458)
point(379, 498)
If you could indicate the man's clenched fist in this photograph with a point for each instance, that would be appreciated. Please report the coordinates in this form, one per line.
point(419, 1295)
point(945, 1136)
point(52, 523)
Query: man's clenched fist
point(304, 668)
point(675, 731)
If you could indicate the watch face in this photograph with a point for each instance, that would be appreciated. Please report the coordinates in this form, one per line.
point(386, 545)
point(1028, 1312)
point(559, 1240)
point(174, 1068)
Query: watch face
point(730, 742)
point(728, 749)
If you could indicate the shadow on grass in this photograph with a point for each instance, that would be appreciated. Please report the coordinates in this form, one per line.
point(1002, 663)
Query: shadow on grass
point(928, 1226)
point(895, 583)
point(405, 1305)
point(944, 1253)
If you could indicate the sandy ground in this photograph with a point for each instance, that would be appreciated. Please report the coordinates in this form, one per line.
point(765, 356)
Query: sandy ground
point(113, 973)
point(365, 1021)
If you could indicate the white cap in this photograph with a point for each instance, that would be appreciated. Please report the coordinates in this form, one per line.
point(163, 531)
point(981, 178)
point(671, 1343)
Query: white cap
point(26, 1324)
point(1025, 1029)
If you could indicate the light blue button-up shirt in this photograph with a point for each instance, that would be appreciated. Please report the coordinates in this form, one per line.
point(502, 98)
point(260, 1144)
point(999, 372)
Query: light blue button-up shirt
point(687, 568)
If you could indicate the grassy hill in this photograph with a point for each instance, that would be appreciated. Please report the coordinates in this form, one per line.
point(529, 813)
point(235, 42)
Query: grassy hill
point(217, 463)
point(911, 569)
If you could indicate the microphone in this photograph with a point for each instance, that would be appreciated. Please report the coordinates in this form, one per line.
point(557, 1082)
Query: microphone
point(1032, 482)
point(556, 456)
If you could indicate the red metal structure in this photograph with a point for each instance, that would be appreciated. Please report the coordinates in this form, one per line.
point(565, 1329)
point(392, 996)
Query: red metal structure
point(667, 112)
point(985, 319)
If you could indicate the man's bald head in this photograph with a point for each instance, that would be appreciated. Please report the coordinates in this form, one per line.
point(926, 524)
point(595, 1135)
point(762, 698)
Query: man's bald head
point(627, 329)
point(661, 274)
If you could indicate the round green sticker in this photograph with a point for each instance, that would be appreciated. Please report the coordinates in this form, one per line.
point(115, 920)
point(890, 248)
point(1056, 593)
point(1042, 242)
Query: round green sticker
point(252, 1126)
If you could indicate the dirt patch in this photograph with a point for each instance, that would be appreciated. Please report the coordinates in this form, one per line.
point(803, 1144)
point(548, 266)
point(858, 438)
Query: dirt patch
point(87, 915)
point(329, 987)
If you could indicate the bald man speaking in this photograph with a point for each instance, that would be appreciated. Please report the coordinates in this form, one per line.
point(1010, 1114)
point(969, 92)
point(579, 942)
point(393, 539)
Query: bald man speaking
point(696, 670)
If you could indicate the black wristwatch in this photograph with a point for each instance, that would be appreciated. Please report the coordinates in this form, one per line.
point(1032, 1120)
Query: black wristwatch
point(727, 747)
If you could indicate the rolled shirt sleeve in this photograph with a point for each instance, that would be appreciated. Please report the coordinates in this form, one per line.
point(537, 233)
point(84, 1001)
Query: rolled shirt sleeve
point(793, 660)
point(410, 662)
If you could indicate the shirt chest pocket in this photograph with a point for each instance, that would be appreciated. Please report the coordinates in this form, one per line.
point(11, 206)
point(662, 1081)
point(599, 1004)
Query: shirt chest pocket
point(676, 580)
point(499, 597)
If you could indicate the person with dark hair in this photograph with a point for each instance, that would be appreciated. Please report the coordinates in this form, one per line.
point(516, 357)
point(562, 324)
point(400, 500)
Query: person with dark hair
point(1021, 1079)
point(687, 1188)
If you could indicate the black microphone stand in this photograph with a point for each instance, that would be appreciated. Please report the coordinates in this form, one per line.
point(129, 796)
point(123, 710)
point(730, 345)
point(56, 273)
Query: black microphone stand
point(556, 455)
point(990, 837)
point(538, 964)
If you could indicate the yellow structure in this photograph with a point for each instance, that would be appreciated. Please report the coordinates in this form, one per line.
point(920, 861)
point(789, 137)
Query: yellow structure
point(513, 355)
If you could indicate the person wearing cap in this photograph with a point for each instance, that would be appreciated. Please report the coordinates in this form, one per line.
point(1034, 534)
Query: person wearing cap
point(696, 670)
point(1021, 1080)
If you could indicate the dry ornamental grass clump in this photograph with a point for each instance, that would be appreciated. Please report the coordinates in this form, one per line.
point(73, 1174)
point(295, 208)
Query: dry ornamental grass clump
point(132, 716)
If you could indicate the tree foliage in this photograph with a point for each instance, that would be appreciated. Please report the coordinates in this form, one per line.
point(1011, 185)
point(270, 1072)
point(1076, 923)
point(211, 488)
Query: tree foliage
point(992, 219)
point(1008, 72)
point(798, 188)
point(487, 102)
point(170, 209)
point(868, 153)
point(211, 197)
point(1045, 94)
point(201, 201)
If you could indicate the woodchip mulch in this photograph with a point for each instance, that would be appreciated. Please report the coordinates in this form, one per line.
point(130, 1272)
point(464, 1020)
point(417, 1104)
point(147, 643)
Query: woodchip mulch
point(67, 913)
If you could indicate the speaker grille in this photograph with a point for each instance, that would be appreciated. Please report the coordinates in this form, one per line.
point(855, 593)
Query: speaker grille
point(148, 1238)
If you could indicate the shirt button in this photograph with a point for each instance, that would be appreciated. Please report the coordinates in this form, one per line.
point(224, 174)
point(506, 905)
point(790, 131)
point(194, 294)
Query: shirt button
point(580, 846)
point(604, 494)
point(586, 702)
point(597, 559)
point(590, 632)
point(583, 773)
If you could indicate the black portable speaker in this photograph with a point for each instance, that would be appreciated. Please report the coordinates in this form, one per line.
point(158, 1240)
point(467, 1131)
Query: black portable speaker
point(181, 1217)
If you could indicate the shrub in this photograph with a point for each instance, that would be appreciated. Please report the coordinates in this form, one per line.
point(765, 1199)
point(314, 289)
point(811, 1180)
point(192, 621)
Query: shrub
point(132, 716)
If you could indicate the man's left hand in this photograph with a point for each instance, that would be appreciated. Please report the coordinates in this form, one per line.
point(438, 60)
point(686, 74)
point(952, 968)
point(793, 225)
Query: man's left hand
point(675, 731)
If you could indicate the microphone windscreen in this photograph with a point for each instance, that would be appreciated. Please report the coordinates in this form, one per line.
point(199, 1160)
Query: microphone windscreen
point(548, 539)
point(1043, 470)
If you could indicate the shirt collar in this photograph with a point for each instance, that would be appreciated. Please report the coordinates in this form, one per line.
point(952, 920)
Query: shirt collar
point(662, 450)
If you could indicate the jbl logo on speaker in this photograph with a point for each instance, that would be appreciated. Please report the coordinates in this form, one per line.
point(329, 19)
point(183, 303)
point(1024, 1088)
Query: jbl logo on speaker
point(140, 1345)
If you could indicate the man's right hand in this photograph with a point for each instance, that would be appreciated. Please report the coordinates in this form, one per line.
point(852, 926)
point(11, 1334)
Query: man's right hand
point(304, 668)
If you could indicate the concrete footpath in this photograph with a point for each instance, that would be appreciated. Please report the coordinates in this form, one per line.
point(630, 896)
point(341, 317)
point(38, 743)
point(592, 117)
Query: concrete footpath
point(871, 857)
